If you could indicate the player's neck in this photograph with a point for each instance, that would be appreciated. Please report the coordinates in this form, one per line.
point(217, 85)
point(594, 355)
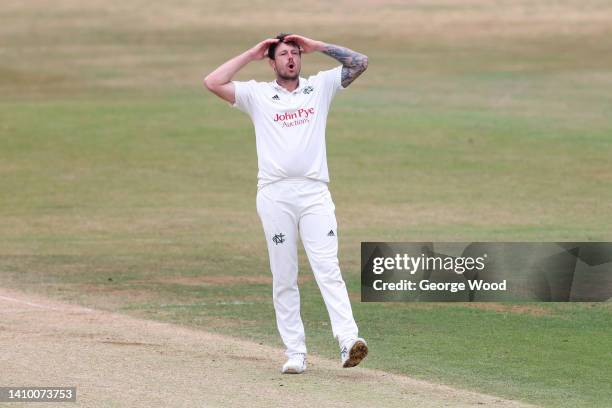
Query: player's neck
point(289, 84)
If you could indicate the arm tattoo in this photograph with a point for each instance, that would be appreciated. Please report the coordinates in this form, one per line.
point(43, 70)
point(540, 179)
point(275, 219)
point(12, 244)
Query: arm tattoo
point(353, 63)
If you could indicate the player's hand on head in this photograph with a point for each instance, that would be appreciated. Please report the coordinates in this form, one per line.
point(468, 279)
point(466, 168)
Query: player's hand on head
point(260, 50)
point(306, 44)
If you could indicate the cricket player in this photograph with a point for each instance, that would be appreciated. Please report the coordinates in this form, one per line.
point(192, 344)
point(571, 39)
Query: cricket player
point(289, 115)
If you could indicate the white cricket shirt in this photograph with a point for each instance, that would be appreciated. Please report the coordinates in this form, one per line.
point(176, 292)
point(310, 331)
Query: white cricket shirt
point(290, 126)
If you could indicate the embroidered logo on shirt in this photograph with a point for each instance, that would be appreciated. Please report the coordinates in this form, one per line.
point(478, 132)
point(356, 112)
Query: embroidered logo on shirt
point(331, 233)
point(276, 98)
point(308, 90)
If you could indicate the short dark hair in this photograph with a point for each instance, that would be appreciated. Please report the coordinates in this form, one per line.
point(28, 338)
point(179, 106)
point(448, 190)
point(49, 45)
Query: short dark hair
point(281, 38)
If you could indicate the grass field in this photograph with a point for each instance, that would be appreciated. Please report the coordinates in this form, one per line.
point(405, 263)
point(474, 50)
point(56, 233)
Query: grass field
point(125, 186)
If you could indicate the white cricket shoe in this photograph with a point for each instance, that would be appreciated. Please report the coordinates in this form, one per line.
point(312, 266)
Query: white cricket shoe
point(295, 365)
point(353, 352)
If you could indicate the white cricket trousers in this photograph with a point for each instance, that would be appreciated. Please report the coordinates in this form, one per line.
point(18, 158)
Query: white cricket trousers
point(286, 208)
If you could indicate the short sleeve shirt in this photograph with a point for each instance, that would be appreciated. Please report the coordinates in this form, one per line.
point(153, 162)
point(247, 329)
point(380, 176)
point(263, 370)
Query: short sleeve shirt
point(290, 125)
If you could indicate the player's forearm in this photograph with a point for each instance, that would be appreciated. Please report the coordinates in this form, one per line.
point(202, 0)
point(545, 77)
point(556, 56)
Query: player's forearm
point(226, 72)
point(353, 63)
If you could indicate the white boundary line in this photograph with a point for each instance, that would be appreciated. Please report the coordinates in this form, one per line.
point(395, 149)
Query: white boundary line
point(25, 302)
point(10, 299)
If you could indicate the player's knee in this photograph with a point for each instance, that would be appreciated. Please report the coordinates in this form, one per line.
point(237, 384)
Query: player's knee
point(282, 286)
point(328, 272)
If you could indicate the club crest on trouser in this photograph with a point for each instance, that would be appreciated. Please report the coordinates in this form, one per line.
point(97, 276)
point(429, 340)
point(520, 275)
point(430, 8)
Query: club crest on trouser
point(278, 238)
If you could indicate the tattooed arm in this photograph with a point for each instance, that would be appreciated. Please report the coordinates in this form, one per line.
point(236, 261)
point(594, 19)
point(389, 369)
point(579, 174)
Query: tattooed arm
point(353, 63)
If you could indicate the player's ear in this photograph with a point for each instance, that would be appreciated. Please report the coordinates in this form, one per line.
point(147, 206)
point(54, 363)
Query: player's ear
point(272, 64)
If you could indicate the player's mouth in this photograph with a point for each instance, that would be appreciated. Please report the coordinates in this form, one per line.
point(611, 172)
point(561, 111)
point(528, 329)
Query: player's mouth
point(291, 66)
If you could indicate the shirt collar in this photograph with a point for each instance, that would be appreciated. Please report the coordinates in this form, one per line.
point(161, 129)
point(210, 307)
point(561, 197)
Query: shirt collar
point(301, 84)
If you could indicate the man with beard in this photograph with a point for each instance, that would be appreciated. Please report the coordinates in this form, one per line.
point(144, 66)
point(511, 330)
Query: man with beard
point(289, 116)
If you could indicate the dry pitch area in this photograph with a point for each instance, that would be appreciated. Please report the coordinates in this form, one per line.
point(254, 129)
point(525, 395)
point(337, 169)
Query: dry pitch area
point(115, 360)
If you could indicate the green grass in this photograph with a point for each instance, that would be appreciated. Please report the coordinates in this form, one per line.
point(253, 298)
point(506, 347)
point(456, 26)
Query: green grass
point(120, 177)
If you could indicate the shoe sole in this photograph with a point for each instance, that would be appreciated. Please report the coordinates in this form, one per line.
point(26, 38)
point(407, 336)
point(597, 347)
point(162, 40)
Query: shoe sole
point(358, 352)
point(292, 371)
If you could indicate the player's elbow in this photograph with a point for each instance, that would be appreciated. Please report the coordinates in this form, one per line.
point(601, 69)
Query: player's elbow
point(211, 83)
point(208, 84)
point(364, 63)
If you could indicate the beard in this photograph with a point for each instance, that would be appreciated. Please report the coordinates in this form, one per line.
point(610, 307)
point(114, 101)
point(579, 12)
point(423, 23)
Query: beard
point(288, 77)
